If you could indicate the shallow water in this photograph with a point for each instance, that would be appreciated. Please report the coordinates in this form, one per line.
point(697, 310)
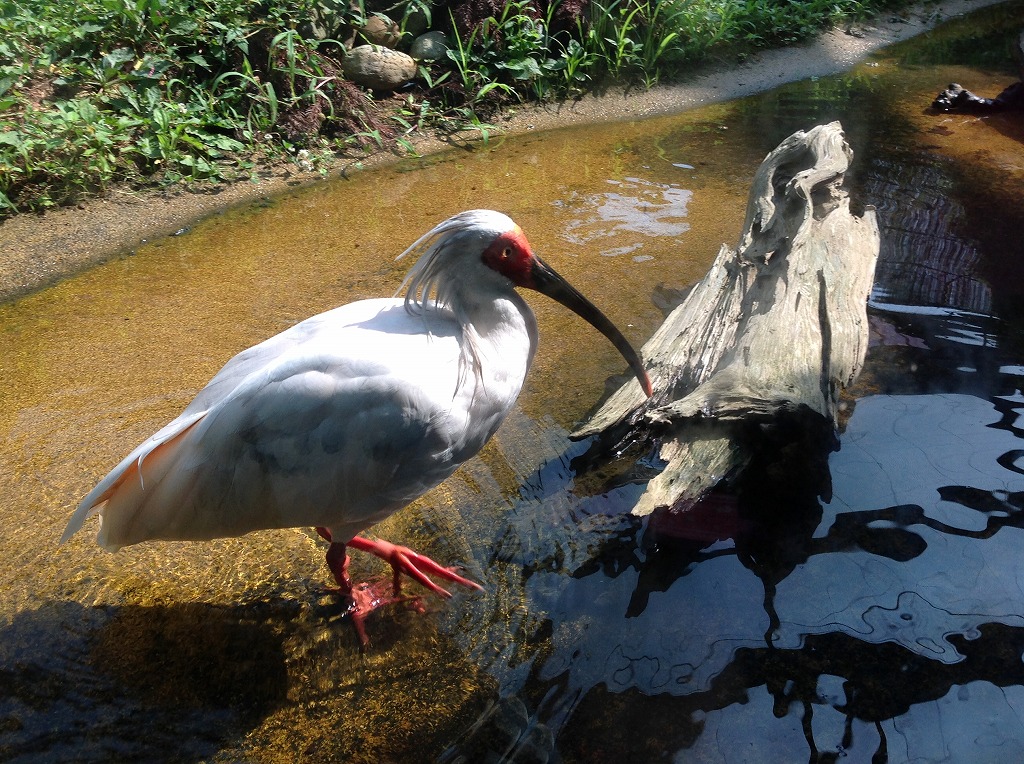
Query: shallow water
point(884, 624)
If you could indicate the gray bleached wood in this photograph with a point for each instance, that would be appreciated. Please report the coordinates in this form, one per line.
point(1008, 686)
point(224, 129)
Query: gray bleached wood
point(777, 328)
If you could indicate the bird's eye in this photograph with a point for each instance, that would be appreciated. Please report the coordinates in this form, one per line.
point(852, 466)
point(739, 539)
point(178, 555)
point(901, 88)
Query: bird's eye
point(506, 253)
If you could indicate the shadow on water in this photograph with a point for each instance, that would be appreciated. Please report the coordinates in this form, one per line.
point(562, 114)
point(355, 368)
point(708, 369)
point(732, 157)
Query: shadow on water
point(184, 681)
point(79, 682)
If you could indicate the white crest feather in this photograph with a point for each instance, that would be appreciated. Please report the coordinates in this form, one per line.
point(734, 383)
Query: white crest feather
point(432, 279)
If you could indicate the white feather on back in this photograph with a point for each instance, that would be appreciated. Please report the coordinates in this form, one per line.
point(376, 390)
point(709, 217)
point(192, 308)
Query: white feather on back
point(337, 422)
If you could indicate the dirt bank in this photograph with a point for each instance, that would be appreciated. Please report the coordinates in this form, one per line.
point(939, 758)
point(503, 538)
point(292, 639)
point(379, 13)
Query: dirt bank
point(37, 250)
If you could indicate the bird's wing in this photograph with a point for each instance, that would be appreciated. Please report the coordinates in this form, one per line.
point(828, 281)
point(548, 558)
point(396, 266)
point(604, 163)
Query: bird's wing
point(256, 358)
point(340, 446)
point(340, 427)
point(247, 362)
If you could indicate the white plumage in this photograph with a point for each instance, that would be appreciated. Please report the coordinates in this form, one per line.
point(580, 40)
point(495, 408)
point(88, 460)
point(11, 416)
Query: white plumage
point(349, 415)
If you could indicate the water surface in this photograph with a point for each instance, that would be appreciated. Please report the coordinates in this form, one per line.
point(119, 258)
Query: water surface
point(884, 624)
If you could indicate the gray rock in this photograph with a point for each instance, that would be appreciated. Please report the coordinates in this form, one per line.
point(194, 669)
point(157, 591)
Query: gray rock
point(431, 46)
point(409, 15)
point(415, 21)
point(377, 68)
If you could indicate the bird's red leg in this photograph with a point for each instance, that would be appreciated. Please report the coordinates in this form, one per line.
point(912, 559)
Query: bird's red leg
point(337, 561)
point(362, 601)
point(402, 559)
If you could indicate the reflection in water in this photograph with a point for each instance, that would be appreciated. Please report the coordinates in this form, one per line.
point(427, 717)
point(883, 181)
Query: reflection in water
point(884, 624)
point(638, 206)
point(923, 261)
point(870, 609)
point(685, 617)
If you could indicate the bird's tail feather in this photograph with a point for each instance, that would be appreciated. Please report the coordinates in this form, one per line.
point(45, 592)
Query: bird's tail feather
point(124, 498)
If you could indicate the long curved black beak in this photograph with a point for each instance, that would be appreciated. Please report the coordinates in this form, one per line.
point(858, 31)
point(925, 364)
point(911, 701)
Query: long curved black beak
point(547, 281)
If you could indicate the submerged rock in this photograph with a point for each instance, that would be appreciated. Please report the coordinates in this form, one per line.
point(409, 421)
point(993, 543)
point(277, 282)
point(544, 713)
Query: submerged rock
point(378, 68)
point(959, 99)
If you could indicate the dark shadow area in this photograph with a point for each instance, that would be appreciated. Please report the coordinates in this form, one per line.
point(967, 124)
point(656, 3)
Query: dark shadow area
point(157, 683)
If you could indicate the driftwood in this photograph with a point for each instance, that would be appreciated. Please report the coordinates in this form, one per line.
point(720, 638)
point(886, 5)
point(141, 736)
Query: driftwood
point(774, 331)
point(959, 99)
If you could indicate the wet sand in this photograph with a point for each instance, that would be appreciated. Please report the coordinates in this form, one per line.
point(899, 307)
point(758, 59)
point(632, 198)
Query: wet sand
point(39, 249)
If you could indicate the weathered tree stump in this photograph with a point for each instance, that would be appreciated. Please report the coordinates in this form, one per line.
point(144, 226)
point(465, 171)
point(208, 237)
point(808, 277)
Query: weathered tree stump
point(772, 334)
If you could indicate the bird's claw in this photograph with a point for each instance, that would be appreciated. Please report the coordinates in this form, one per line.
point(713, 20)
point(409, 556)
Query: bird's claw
point(365, 598)
point(402, 559)
point(359, 601)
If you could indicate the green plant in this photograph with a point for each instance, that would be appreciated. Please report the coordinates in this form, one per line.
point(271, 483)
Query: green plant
point(98, 92)
point(103, 91)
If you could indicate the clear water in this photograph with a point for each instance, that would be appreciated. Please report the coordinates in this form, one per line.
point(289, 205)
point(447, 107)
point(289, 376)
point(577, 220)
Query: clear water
point(886, 624)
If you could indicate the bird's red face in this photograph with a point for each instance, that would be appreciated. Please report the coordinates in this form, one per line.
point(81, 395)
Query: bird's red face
point(511, 256)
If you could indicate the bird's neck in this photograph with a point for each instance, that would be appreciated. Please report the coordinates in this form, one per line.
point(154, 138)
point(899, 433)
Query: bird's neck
point(499, 340)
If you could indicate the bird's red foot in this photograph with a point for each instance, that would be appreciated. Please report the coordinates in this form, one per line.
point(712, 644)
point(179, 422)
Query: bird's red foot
point(402, 559)
point(365, 598)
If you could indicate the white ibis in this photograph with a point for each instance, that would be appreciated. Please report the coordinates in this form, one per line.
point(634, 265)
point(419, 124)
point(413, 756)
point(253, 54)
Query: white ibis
point(348, 416)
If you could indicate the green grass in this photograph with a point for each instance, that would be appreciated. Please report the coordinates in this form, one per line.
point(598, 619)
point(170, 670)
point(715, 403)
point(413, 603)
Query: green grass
point(95, 93)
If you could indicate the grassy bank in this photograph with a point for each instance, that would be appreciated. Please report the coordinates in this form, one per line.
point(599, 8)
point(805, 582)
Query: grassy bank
point(151, 92)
